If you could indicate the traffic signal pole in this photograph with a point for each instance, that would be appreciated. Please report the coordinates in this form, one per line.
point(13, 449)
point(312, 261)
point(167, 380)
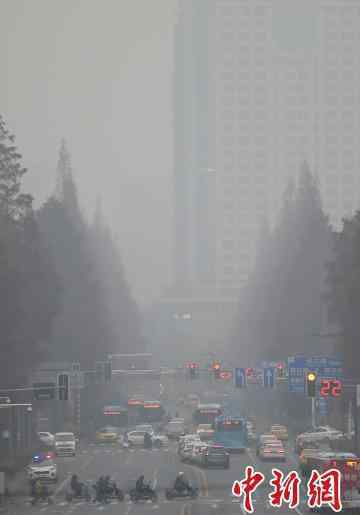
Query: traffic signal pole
point(313, 412)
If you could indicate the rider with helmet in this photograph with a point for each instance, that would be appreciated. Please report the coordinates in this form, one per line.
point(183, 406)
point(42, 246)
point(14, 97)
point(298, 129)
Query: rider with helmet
point(181, 484)
point(75, 485)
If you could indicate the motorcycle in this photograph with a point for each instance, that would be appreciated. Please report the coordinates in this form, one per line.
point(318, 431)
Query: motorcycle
point(114, 493)
point(84, 494)
point(148, 494)
point(190, 493)
point(42, 498)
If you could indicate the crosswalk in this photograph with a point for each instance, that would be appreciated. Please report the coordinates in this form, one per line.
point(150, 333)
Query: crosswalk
point(119, 450)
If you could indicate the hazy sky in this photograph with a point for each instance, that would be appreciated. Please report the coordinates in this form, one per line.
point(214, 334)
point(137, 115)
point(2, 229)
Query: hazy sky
point(97, 72)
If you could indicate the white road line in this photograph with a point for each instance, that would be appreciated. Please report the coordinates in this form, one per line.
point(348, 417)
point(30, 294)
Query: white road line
point(155, 478)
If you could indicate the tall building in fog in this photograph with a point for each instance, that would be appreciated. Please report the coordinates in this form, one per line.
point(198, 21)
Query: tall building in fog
point(339, 106)
point(249, 107)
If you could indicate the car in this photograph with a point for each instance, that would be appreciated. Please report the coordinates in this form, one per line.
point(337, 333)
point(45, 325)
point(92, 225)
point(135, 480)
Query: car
point(272, 451)
point(280, 432)
point(186, 439)
point(196, 452)
point(145, 427)
point(175, 429)
point(107, 434)
point(319, 434)
point(266, 438)
point(134, 438)
point(185, 450)
point(205, 431)
point(307, 455)
point(215, 456)
point(251, 431)
point(43, 469)
point(65, 444)
point(46, 438)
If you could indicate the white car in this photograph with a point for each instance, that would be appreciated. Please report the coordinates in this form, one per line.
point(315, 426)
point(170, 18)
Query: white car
point(135, 438)
point(45, 471)
point(321, 433)
point(272, 451)
point(145, 427)
point(197, 451)
point(46, 438)
point(65, 444)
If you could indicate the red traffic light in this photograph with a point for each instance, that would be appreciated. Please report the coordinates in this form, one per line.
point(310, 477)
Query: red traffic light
point(216, 365)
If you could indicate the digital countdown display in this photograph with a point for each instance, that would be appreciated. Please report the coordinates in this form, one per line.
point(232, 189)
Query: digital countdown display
point(330, 388)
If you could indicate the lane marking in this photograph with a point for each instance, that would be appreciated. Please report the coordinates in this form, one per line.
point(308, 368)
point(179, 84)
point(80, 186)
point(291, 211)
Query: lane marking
point(155, 478)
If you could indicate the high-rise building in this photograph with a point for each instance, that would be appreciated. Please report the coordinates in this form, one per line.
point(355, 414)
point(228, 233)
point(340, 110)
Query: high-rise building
point(248, 111)
point(339, 106)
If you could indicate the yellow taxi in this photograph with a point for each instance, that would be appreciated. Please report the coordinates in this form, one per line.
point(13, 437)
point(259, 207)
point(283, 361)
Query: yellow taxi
point(280, 432)
point(107, 434)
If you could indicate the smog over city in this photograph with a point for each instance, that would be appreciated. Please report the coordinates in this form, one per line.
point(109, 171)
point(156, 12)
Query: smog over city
point(179, 256)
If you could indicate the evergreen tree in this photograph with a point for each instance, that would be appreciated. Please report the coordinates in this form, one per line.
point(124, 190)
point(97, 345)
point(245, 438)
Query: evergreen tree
point(29, 294)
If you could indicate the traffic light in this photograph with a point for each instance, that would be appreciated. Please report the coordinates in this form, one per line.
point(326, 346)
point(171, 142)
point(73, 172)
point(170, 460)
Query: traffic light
point(108, 371)
point(193, 370)
point(63, 385)
point(216, 366)
point(311, 384)
point(280, 370)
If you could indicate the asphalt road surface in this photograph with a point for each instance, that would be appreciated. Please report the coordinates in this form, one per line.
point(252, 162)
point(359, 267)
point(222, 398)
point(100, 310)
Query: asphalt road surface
point(160, 468)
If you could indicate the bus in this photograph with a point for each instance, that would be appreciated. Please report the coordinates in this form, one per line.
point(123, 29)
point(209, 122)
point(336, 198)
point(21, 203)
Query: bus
point(207, 413)
point(231, 433)
point(151, 411)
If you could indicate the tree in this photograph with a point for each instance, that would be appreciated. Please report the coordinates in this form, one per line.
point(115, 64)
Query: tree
point(29, 291)
point(124, 317)
point(343, 296)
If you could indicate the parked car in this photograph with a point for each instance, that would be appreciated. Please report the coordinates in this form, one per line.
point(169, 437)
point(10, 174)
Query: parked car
point(46, 438)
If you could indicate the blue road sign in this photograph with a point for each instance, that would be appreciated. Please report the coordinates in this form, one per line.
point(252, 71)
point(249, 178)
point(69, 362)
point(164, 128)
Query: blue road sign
point(322, 405)
point(240, 377)
point(269, 377)
point(327, 368)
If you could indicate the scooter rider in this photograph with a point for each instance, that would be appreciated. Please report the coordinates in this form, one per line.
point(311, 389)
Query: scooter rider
point(147, 441)
point(75, 485)
point(181, 484)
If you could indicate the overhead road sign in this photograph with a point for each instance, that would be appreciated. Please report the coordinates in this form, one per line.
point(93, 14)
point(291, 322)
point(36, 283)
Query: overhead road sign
point(269, 377)
point(240, 377)
point(323, 367)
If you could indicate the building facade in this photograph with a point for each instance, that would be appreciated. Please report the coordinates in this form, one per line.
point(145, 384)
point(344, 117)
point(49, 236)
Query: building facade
point(248, 110)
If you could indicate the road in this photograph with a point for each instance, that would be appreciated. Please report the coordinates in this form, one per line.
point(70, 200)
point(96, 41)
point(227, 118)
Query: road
point(160, 468)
